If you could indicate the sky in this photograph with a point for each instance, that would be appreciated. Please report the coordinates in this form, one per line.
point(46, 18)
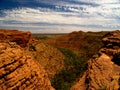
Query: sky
point(60, 16)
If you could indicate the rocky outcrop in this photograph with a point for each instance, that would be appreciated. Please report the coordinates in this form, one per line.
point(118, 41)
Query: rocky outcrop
point(103, 71)
point(18, 71)
point(20, 37)
point(49, 57)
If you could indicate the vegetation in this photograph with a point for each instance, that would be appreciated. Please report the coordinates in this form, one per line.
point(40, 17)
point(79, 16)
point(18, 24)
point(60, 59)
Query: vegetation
point(41, 37)
point(85, 44)
point(102, 87)
point(32, 48)
point(78, 48)
point(46, 36)
point(74, 66)
point(90, 45)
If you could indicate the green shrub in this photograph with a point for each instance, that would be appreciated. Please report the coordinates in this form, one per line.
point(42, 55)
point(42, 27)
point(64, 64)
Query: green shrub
point(32, 48)
point(74, 66)
point(42, 37)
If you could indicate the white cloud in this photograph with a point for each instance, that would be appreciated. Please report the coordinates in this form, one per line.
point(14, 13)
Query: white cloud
point(28, 15)
point(50, 29)
point(100, 1)
point(106, 15)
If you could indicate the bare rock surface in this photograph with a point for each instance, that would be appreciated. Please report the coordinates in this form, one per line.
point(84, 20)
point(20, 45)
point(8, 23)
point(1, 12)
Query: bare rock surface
point(18, 71)
point(103, 72)
point(49, 57)
point(20, 37)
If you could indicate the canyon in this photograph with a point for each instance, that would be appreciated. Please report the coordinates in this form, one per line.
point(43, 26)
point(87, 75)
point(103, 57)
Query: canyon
point(31, 64)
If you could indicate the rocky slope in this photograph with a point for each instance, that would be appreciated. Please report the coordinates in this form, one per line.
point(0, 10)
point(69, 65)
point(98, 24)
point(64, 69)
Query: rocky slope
point(18, 71)
point(47, 56)
point(103, 71)
point(85, 44)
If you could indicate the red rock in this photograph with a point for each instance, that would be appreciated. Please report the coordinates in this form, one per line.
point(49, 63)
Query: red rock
point(20, 37)
point(18, 70)
point(103, 72)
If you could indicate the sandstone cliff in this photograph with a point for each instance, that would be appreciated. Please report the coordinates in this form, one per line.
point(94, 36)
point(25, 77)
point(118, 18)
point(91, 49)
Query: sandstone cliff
point(47, 56)
point(18, 71)
point(20, 37)
point(103, 71)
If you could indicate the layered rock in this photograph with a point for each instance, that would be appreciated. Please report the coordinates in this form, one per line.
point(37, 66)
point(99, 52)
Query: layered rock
point(103, 71)
point(18, 71)
point(49, 57)
point(20, 37)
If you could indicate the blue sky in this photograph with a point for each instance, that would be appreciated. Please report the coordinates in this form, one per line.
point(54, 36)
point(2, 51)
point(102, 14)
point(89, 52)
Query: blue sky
point(60, 16)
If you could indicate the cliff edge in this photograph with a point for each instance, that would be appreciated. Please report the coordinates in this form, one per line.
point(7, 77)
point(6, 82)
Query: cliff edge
point(18, 71)
point(103, 71)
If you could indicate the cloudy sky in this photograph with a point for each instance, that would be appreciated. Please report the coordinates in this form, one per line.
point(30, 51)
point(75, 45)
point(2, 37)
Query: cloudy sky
point(60, 16)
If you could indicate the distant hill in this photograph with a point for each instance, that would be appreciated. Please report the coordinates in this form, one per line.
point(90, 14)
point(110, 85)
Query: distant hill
point(85, 44)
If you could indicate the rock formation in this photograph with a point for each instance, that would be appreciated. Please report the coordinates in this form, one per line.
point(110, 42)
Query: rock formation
point(20, 37)
point(79, 42)
point(18, 71)
point(103, 71)
point(49, 57)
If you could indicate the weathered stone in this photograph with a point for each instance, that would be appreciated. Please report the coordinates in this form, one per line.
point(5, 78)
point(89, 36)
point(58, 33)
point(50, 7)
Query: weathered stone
point(20, 37)
point(112, 37)
point(18, 71)
point(103, 72)
point(49, 57)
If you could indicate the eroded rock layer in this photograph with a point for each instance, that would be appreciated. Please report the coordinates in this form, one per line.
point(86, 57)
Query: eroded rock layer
point(20, 37)
point(49, 57)
point(18, 71)
point(103, 71)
